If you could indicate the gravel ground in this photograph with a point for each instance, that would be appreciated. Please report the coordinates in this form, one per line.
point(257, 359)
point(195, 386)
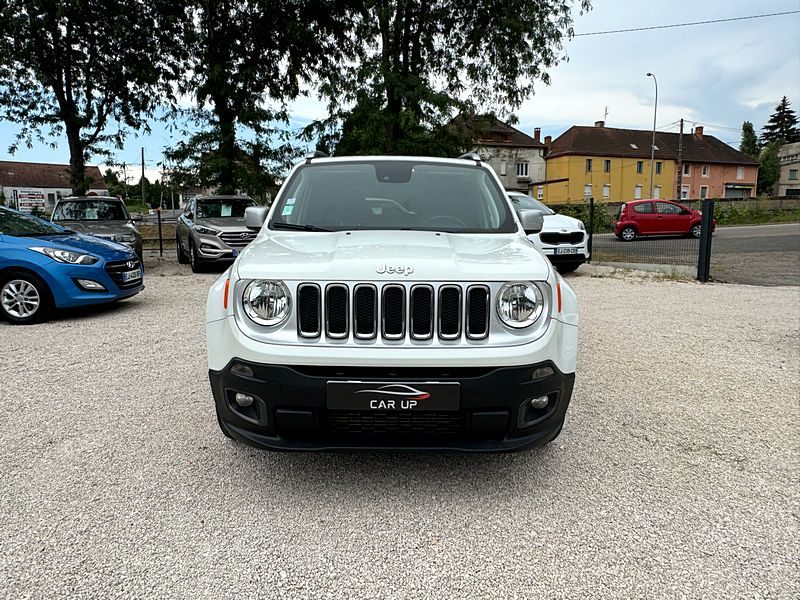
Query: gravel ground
point(676, 473)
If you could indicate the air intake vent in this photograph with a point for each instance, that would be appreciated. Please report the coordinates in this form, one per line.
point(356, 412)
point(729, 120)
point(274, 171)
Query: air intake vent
point(336, 310)
point(421, 312)
point(365, 311)
point(394, 312)
point(477, 312)
point(308, 310)
point(449, 312)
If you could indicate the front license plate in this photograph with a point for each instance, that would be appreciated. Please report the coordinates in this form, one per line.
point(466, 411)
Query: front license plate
point(234, 252)
point(132, 275)
point(393, 396)
point(566, 250)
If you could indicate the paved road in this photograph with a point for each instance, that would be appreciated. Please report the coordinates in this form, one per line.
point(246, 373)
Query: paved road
point(757, 255)
point(675, 475)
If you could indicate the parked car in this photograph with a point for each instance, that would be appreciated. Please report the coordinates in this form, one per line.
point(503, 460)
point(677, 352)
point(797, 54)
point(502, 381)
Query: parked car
point(392, 302)
point(212, 230)
point(562, 239)
point(44, 266)
point(657, 217)
point(100, 216)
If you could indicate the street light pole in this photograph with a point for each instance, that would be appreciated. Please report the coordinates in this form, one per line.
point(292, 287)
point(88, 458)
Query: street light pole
point(653, 143)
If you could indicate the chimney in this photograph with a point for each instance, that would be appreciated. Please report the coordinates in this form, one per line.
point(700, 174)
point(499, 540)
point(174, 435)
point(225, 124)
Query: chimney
point(537, 133)
point(698, 132)
point(548, 140)
point(599, 123)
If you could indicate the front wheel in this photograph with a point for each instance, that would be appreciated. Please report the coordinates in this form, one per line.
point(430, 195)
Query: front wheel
point(696, 231)
point(182, 260)
point(628, 234)
point(24, 298)
point(194, 260)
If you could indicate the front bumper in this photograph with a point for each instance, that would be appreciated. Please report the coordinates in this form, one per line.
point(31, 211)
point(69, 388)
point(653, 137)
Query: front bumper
point(290, 411)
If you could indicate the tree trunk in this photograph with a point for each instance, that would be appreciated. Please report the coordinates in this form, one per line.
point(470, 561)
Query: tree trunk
point(226, 160)
point(77, 164)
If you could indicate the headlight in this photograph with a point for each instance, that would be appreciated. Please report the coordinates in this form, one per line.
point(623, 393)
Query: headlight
point(124, 237)
point(266, 302)
point(581, 226)
point(519, 304)
point(65, 256)
point(206, 230)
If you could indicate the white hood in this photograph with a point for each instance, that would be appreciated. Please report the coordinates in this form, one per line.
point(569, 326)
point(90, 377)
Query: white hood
point(559, 222)
point(422, 256)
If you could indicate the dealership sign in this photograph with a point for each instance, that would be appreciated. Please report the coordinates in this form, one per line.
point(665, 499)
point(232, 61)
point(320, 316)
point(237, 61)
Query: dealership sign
point(27, 200)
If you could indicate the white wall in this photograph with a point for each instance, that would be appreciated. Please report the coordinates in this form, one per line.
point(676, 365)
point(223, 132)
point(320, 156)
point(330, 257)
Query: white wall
point(497, 155)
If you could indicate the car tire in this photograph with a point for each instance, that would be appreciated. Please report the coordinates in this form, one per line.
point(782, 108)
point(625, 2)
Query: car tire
point(628, 234)
point(567, 267)
point(182, 260)
point(194, 261)
point(21, 285)
point(696, 231)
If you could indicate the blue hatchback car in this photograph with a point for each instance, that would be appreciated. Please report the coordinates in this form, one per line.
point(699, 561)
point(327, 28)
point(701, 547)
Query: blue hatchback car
point(44, 266)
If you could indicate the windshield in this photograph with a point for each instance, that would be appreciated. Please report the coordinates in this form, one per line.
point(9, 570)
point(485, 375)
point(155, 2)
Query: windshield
point(393, 195)
point(215, 208)
point(90, 210)
point(20, 225)
point(523, 202)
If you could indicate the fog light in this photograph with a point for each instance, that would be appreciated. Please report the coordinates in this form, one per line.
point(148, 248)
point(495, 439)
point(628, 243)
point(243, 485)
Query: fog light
point(88, 284)
point(536, 403)
point(244, 400)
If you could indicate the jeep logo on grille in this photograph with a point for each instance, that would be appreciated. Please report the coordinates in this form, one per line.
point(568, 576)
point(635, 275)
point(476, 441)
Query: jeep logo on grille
point(389, 270)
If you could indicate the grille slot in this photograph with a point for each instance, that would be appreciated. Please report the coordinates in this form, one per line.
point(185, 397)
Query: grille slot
point(394, 312)
point(336, 302)
point(477, 312)
point(555, 238)
point(308, 310)
point(116, 268)
point(449, 312)
point(365, 311)
point(421, 312)
point(238, 239)
point(361, 423)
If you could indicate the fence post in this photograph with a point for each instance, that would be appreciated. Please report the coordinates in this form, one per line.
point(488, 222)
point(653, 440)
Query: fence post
point(160, 237)
point(591, 229)
point(704, 255)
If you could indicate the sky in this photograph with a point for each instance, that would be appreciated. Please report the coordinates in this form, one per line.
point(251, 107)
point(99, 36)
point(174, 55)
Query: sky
point(715, 75)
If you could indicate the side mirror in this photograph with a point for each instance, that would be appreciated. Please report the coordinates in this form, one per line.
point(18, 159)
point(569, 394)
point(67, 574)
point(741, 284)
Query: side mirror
point(255, 216)
point(532, 221)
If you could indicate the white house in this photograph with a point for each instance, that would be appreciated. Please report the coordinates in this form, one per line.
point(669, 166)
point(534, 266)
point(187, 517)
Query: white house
point(516, 157)
point(26, 185)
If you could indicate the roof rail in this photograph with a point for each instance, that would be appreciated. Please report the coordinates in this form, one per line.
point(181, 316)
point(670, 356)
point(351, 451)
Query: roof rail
point(315, 154)
point(471, 156)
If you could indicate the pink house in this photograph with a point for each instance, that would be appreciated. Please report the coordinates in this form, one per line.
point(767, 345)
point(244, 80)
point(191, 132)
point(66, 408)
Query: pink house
point(712, 169)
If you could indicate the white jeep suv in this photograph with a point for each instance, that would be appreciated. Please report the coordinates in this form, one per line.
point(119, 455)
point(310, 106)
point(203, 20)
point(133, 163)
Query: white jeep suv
point(391, 302)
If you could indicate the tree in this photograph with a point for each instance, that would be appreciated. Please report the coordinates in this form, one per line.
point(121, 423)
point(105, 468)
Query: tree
point(782, 125)
point(770, 169)
point(749, 144)
point(421, 63)
point(84, 69)
point(248, 58)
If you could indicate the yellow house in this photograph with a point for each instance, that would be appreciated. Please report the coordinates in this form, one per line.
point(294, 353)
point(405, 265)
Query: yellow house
point(607, 164)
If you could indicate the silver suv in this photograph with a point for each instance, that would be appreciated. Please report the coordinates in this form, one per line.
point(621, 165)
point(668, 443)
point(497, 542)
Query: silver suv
point(211, 229)
point(101, 216)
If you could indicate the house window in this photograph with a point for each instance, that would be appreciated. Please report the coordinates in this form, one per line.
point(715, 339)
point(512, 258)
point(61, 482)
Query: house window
point(587, 189)
point(588, 165)
point(687, 169)
point(657, 192)
point(606, 190)
point(540, 192)
point(502, 167)
point(739, 172)
point(637, 192)
point(639, 166)
point(607, 166)
point(792, 174)
point(522, 169)
point(703, 192)
point(684, 192)
point(706, 170)
point(658, 168)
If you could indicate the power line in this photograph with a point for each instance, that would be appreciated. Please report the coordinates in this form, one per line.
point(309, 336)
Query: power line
point(778, 14)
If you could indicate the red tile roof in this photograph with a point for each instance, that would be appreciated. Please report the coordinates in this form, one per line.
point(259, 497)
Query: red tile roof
point(43, 175)
point(635, 143)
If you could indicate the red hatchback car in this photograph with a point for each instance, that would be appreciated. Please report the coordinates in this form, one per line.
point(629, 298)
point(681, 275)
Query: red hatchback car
point(657, 217)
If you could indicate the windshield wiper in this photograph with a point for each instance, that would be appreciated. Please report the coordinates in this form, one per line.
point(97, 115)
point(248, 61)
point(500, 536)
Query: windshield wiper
point(297, 227)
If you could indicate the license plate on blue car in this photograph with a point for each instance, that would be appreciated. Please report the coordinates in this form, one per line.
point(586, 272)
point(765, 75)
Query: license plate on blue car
point(132, 275)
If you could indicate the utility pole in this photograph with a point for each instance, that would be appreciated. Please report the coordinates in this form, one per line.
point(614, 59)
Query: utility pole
point(653, 143)
point(125, 177)
point(142, 181)
point(680, 163)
